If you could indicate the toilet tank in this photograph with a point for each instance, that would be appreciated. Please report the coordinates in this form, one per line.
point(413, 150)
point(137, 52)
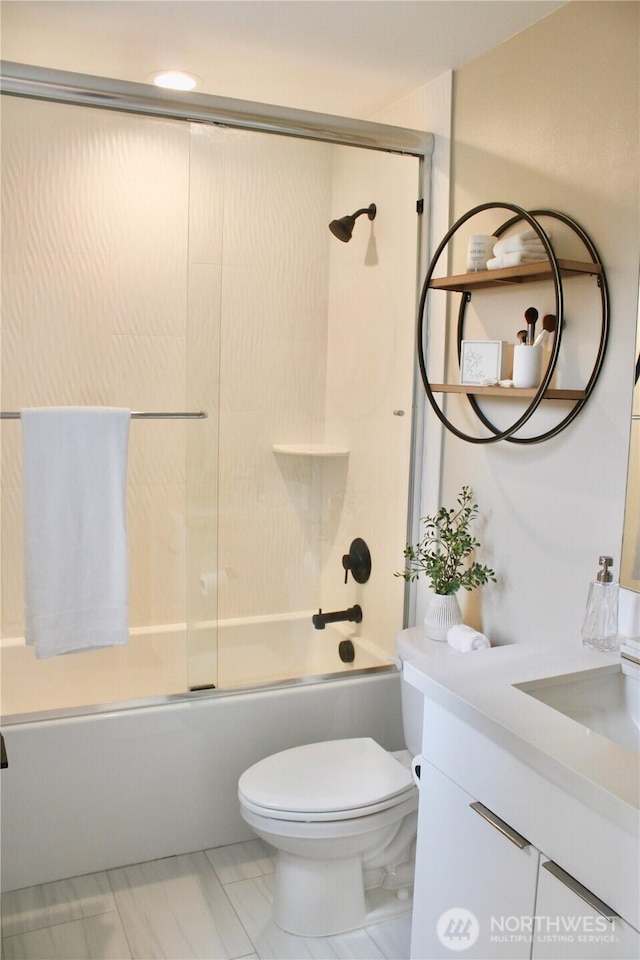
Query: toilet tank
point(412, 699)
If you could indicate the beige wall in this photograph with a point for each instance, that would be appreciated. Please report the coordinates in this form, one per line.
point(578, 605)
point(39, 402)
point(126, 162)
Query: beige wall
point(549, 120)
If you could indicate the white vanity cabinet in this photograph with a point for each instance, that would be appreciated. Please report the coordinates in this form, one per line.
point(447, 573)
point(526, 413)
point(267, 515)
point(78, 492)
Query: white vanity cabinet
point(473, 874)
point(572, 923)
point(490, 826)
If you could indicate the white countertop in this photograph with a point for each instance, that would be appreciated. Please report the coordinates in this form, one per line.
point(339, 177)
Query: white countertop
point(478, 687)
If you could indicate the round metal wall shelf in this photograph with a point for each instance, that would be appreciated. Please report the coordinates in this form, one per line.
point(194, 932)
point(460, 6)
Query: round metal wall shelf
point(553, 269)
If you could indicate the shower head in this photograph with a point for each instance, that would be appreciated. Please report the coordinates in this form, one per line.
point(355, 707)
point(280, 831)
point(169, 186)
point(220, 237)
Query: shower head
point(343, 228)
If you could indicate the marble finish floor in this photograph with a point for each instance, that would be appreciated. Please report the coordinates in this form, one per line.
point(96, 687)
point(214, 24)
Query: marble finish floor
point(211, 905)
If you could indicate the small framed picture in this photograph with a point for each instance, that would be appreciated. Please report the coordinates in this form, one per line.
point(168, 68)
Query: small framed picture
point(482, 360)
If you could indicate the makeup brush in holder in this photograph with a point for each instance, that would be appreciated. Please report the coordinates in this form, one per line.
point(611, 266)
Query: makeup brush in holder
point(527, 356)
point(548, 326)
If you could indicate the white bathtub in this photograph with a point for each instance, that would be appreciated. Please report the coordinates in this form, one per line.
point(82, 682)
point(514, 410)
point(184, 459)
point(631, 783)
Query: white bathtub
point(168, 660)
point(89, 793)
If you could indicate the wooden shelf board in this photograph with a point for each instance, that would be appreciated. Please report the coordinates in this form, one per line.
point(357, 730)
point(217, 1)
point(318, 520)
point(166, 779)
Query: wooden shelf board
point(514, 393)
point(527, 273)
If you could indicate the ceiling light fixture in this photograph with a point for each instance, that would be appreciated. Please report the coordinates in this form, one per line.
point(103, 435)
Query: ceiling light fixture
point(175, 80)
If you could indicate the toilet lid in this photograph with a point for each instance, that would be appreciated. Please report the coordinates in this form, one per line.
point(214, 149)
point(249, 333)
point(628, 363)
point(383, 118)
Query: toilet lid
point(337, 775)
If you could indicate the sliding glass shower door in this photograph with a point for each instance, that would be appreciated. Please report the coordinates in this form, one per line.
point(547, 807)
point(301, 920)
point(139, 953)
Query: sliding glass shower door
point(166, 265)
point(313, 377)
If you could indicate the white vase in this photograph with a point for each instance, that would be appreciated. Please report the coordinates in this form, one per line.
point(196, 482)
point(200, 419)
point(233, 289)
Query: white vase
point(443, 612)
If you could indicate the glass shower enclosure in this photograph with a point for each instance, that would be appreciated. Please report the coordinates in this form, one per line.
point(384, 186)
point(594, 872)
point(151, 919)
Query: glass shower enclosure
point(169, 263)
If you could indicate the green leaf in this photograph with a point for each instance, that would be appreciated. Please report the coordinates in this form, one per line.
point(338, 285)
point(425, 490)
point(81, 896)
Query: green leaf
point(443, 554)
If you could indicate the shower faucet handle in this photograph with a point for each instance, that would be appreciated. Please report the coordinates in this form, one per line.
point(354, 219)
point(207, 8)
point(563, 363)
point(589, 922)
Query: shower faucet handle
point(353, 615)
point(358, 561)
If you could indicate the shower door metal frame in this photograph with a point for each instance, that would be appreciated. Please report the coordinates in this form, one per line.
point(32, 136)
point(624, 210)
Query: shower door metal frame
point(40, 83)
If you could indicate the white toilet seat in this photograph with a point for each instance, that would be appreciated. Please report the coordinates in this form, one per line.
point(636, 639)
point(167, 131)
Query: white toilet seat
point(347, 829)
point(334, 816)
point(327, 781)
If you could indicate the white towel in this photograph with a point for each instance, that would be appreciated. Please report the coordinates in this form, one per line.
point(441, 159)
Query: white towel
point(463, 639)
point(528, 241)
point(515, 259)
point(514, 244)
point(75, 542)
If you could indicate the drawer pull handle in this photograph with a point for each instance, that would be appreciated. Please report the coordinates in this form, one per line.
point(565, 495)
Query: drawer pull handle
point(598, 905)
point(500, 825)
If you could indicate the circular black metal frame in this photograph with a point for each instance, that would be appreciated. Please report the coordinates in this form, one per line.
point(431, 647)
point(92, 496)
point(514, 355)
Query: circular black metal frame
point(508, 433)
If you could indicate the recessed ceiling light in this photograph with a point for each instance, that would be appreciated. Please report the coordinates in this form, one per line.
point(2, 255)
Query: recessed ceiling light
point(175, 80)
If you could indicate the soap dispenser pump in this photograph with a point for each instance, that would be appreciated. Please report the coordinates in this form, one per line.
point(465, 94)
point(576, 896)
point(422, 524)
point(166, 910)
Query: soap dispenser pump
point(600, 626)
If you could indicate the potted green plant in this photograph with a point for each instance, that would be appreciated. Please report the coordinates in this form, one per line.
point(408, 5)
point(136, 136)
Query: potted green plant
point(443, 556)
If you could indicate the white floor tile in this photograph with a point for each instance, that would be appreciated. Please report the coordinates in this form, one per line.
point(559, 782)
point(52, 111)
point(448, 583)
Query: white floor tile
point(393, 937)
point(252, 900)
point(58, 902)
point(176, 908)
point(242, 861)
point(93, 938)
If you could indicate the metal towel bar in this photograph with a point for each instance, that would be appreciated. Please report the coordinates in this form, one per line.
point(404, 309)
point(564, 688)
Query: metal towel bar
point(135, 415)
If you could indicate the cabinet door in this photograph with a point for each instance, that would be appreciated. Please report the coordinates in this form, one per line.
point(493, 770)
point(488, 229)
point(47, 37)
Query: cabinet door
point(571, 923)
point(471, 879)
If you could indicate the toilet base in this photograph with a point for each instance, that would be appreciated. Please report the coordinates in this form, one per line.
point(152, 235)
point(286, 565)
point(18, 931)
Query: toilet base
point(321, 898)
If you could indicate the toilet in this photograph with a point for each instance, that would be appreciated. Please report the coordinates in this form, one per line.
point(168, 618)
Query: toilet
point(342, 815)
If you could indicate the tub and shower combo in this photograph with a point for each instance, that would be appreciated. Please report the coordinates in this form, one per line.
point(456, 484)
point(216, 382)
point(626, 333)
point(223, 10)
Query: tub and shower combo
point(174, 255)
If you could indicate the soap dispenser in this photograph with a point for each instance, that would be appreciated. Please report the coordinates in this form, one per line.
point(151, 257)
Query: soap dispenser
point(600, 626)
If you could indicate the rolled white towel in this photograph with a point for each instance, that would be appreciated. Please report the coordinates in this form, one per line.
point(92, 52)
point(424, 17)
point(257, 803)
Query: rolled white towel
point(528, 240)
point(516, 258)
point(463, 639)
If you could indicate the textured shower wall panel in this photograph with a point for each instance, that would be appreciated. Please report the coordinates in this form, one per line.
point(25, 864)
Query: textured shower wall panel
point(369, 377)
point(94, 291)
point(273, 357)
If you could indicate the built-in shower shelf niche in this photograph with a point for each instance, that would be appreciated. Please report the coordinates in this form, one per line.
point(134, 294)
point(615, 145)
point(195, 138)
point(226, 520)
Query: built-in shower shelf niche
point(311, 449)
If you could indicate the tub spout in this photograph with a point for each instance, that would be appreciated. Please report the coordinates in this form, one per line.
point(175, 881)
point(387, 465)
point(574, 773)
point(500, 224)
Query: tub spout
point(320, 619)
